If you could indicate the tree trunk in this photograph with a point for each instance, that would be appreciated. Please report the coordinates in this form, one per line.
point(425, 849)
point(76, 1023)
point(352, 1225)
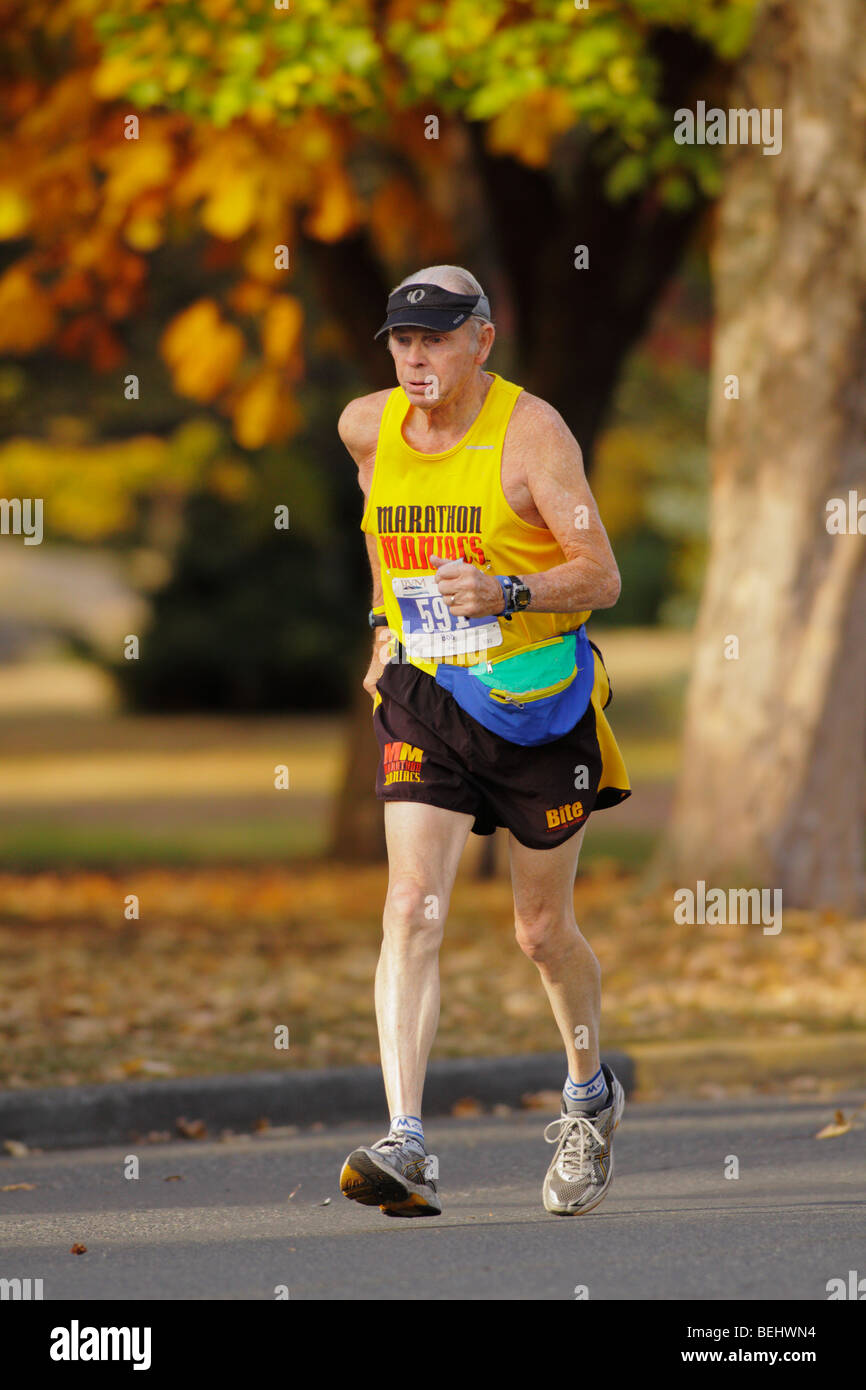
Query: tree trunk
point(772, 788)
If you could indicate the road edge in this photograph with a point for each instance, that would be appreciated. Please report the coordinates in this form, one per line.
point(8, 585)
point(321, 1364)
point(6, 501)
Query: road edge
point(80, 1116)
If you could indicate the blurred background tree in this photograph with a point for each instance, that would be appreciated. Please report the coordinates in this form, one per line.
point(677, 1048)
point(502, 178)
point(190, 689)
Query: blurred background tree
point(236, 254)
point(203, 207)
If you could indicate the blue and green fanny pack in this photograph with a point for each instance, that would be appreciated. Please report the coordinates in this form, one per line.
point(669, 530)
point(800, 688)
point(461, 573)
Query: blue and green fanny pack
point(531, 698)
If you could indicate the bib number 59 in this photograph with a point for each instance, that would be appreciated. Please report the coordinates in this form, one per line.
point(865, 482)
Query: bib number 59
point(436, 617)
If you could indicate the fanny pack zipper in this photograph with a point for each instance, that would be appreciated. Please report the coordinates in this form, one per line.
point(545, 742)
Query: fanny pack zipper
point(506, 697)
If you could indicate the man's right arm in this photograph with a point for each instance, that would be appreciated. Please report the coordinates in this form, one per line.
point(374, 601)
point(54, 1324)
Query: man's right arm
point(358, 428)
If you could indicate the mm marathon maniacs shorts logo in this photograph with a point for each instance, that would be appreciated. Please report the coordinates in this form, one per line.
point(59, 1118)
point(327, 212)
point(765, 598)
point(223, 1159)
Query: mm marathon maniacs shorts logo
point(402, 763)
point(559, 816)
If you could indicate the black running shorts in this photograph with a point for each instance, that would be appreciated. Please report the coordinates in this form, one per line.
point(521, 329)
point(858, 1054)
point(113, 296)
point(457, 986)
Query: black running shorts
point(431, 750)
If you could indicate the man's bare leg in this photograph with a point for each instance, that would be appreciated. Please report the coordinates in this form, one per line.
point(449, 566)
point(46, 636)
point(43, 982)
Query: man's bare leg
point(543, 884)
point(581, 1169)
point(424, 848)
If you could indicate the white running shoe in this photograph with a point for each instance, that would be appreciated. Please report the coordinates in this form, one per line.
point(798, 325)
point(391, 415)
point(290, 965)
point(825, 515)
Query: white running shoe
point(582, 1166)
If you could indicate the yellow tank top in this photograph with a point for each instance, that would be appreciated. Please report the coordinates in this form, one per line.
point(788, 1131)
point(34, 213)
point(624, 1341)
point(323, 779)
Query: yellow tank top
point(452, 504)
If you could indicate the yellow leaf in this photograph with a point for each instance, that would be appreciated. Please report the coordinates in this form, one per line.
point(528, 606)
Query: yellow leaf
point(135, 167)
point(27, 318)
point(114, 75)
point(838, 1126)
point(230, 210)
point(622, 76)
point(337, 210)
point(282, 329)
point(265, 411)
point(202, 350)
point(527, 128)
point(143, 233)
point(14, 213)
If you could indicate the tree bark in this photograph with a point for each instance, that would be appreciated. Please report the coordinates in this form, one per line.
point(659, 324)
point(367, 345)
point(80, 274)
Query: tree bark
point(771, 792)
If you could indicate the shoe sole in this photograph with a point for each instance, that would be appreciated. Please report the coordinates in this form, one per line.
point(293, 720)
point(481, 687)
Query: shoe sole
point(590, 1206)
point(365, 1181)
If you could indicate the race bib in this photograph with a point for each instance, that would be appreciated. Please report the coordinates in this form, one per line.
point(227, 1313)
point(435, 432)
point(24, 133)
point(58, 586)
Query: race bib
point(431, 631)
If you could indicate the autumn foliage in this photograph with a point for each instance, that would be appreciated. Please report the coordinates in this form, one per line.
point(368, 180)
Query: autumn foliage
point(241, 128)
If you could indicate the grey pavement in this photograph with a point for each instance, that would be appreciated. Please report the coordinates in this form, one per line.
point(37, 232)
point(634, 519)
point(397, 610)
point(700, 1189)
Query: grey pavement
point(243, 1216)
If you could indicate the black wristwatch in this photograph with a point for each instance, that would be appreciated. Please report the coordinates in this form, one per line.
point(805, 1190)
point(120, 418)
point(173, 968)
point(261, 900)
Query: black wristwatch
point(377, 619)
point(517, 594)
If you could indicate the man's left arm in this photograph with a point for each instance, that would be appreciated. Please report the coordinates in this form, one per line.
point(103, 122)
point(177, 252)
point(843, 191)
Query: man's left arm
point(552, 475)
point(555, 477)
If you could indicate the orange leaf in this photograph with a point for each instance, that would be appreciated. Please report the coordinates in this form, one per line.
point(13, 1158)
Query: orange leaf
point(202, 350)
point(265, 411)
point(337, 210)
point(27, 318)
point(281, 331)
point(466, 1107)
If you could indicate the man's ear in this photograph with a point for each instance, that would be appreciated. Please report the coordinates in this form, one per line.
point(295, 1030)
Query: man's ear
point(486, 336)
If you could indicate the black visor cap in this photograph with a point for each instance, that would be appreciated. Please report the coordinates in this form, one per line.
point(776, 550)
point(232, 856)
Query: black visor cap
point(431, 307)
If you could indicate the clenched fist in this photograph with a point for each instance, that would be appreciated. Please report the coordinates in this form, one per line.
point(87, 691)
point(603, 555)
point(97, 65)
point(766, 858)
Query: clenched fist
point(468, 591)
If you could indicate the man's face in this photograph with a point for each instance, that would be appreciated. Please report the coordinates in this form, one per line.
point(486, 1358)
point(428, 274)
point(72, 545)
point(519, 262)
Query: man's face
point(431, 367)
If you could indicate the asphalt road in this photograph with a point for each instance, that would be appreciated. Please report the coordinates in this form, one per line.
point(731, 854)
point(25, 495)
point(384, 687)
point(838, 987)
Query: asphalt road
point(672, 1226)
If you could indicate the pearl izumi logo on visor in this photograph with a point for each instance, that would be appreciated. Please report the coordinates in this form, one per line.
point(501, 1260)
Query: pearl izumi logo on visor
point(431, 307)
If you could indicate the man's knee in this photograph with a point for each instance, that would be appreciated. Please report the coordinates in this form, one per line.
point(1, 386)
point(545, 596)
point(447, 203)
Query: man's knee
point(545, 933)
point(413, 912)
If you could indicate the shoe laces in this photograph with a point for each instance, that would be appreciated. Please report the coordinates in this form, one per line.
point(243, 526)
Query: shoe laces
point(397, 1141)
point(578, 1138)
point(431, 1163)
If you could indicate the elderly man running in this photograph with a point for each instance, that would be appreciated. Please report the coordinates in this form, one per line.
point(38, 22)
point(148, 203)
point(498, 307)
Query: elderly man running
point(488, 555)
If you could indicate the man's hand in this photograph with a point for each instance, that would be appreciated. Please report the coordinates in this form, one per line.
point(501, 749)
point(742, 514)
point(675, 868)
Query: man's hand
point(382, 652)
point(468, 591)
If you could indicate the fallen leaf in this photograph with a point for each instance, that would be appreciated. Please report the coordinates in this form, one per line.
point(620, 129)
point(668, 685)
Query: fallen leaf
point(15, 1148)
point(542, 1100)
point(175, 1177)
point(191, 1129)
point(466, 1107)
point(146, 1066)
point(18, 1187)
point(262, 1124)
point(77, 1249)
point(839, 1125)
